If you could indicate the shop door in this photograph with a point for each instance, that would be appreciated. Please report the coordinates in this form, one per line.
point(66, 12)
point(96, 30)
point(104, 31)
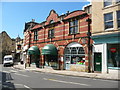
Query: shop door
point(97, 61)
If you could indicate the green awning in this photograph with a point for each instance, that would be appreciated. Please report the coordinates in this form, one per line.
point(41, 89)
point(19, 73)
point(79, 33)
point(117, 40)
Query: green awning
point(107, 38)
point(49, 49)
point(34, 50)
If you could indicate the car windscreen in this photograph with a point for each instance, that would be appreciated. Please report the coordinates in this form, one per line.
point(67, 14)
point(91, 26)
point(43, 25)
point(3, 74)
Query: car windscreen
point(7, 59)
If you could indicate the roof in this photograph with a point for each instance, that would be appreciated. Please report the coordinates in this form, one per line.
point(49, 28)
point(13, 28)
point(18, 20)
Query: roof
point(65, 17)
point(37, 26)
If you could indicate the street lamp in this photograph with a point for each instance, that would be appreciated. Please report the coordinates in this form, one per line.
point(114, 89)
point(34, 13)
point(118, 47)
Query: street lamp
point(89, 46)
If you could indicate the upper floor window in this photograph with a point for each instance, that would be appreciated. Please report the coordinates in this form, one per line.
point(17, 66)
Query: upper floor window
point(51, 21)
point(117, 1)
point(108, 20)
point(107, 2)
point(118, 19)
point(73, 27)
point(35, 35)
point(51, 33)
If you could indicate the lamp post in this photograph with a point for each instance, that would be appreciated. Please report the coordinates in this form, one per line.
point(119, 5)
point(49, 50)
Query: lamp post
point(89, 45)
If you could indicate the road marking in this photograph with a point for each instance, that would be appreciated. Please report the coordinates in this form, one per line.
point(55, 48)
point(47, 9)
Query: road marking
point(27, 87)
point(22, 75)
point(66, 82)
point(24, 86)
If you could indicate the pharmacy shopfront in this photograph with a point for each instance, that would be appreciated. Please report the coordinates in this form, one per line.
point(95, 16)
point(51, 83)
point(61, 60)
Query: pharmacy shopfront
point(106, 53)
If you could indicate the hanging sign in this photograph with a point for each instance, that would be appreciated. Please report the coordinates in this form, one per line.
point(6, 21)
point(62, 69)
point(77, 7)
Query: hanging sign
point(113, 50)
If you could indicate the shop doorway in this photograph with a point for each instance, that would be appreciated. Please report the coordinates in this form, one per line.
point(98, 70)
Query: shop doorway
point(51, 61)
point(34, 55)
point(97, 61)
point(50, 56)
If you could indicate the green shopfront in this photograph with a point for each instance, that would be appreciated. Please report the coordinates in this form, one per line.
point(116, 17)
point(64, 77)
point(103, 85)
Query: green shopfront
point(34, 55)
point(106, 53)
point(50, 54)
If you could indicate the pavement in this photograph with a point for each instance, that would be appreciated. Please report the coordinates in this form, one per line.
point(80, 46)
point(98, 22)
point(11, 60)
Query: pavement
point(105, 76)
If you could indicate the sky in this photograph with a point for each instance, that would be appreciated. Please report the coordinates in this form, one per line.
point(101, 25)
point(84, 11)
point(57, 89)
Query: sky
point(15, 14)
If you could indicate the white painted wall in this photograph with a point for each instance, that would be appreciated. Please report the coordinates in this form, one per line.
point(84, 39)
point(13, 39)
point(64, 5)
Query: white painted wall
point(103, 49)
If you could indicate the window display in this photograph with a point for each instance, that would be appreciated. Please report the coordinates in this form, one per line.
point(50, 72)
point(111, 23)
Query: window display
point(78, 60)
point(114, 55)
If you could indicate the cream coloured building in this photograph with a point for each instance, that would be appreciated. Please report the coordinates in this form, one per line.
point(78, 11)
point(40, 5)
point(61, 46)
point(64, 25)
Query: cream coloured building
point(106, 35)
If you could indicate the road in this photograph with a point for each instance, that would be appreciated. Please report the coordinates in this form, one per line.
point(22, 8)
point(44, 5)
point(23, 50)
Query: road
point(16, 79)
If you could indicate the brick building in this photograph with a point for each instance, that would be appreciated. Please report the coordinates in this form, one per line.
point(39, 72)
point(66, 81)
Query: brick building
point(60, 42)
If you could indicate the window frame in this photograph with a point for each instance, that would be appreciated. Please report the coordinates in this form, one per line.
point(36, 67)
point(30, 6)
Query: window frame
point(51, 33)
point(73, 26)
point(51, 21)
point(107, 1)
point(118, 19)
point(36, 35)
point(108, 21)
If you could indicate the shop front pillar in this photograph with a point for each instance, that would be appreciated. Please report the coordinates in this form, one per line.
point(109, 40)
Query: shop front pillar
point(60, 62)
point(42, 61)
point(104, 59)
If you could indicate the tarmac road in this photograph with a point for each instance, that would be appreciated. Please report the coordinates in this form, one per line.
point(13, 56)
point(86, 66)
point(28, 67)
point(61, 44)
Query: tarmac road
point(17, 79)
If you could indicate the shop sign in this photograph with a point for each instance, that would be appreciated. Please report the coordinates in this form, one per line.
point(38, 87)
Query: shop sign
point(113, 50)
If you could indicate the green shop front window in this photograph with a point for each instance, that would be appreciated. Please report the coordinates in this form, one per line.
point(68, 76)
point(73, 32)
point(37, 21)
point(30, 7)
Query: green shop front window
point(114, 56)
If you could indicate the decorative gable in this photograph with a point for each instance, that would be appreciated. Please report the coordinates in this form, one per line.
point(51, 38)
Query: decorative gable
point(53, 16)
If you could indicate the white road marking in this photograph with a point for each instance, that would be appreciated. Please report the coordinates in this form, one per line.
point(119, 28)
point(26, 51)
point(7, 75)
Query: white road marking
point(27, 87)
point(22, 75)
point(107, 80)
point(24, 86)
point(66, 82)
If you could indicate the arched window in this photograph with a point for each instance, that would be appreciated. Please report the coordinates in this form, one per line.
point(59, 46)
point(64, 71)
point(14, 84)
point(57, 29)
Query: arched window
point(51, 21)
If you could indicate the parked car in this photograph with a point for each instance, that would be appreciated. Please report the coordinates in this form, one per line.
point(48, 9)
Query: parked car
point(8, 60)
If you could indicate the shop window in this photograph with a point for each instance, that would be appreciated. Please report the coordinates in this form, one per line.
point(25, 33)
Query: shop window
point(114, 55)
point(51, 33)
point(118, 19)
point(108, 21)
point(78, 60)
point(75, 55)
point(73, 50)
point(73, 28)
point(81, 51)
point(19, 47)
point(67, 51)
point(107, 2)
point(35, 35)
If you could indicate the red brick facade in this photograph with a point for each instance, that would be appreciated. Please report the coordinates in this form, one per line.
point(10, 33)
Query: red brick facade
point(62, 38)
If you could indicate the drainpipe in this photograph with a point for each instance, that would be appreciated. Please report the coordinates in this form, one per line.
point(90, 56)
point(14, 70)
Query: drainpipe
point(89, 46)
point(29, 47)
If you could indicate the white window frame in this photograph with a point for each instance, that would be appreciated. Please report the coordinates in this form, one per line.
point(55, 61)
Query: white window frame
point(108, 21)
point(118, 19)
point(107, 1)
